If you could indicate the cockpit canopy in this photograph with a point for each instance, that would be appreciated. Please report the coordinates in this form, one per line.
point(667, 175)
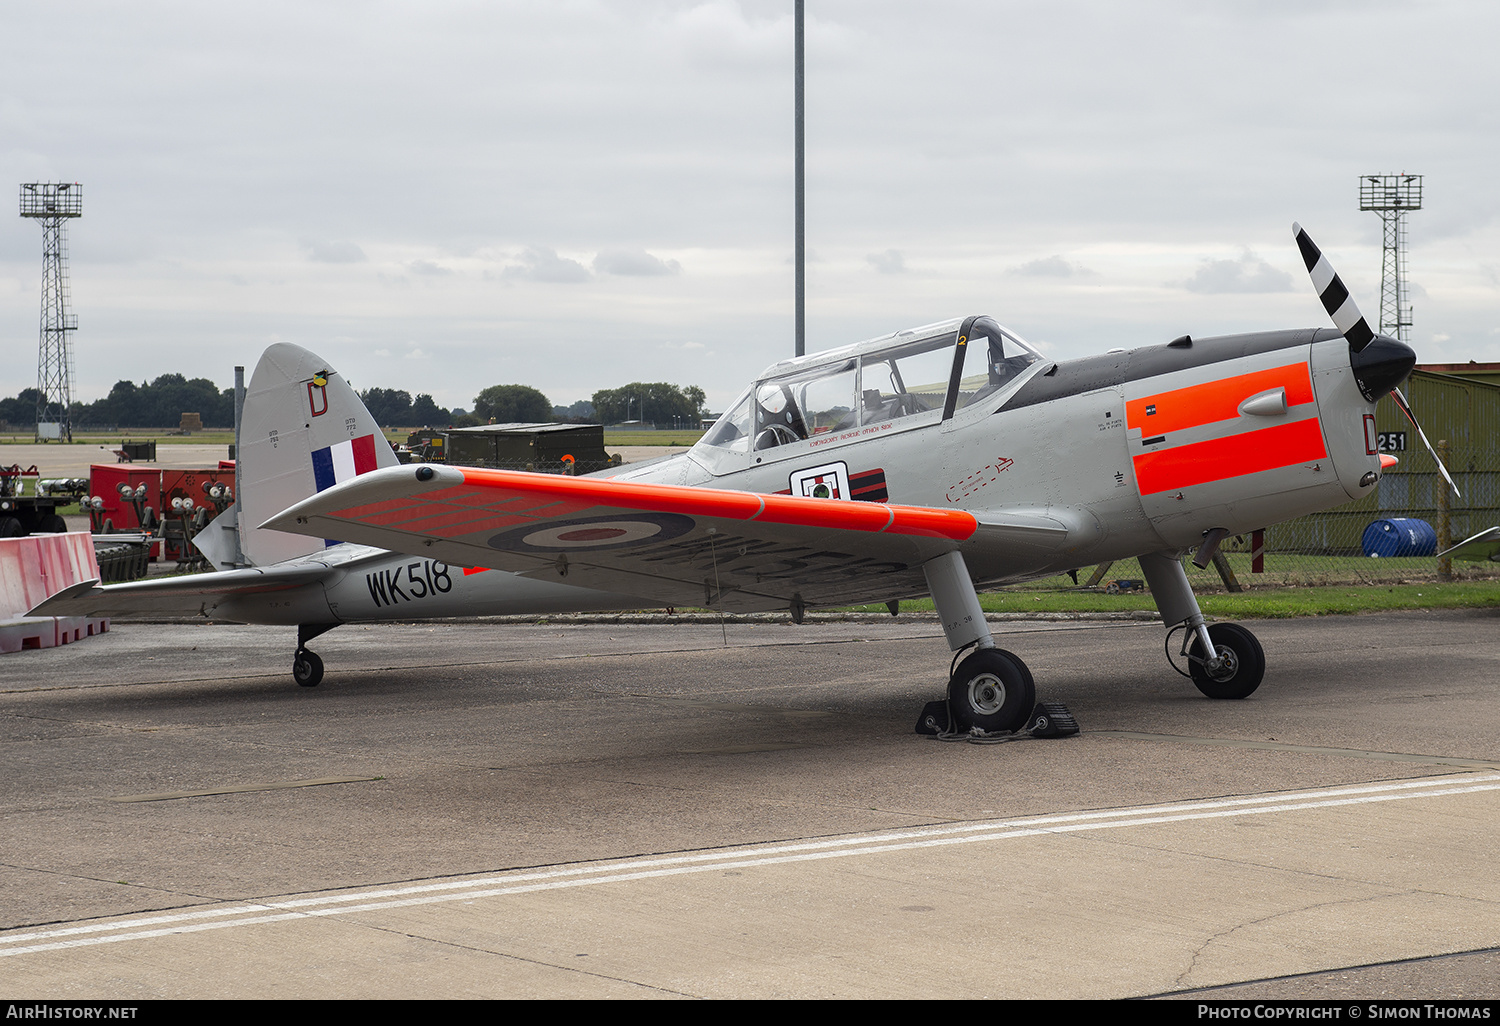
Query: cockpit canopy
point(943, 367)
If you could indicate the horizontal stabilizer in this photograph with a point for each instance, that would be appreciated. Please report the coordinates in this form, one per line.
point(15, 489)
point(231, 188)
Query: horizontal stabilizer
point(193, 595)
point(1482, 547)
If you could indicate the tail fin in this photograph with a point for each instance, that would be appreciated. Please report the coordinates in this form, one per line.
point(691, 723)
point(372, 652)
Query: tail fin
point(303, 429)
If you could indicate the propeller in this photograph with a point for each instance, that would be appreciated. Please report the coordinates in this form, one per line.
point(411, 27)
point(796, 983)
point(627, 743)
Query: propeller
point(1380, 362)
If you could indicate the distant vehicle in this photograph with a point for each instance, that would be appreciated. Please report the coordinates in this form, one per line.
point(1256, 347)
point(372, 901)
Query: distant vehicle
point(33, 510)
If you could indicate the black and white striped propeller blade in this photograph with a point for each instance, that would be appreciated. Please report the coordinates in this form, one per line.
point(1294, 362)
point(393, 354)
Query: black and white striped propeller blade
point(1384, 367)
point(1336, 299)
point(1405, 406)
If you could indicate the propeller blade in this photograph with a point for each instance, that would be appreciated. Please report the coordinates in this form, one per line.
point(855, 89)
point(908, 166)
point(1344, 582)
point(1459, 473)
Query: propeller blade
point(1336, 299)
point(1406, 409)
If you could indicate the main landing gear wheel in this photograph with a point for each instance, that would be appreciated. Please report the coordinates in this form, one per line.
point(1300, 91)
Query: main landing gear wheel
point(991, 690)
point(307, 668)
point(1243, 662)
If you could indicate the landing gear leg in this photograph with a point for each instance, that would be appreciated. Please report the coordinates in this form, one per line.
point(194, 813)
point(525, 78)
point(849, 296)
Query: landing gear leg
point(1225, 660)
point(307, 668)
point(991, 689)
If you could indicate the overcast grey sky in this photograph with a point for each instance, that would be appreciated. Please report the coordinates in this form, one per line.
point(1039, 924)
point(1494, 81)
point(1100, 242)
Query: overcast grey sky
point(580, 193)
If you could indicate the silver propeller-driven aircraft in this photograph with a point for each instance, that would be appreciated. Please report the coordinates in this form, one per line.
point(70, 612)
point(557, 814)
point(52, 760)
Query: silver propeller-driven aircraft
point(928, 461)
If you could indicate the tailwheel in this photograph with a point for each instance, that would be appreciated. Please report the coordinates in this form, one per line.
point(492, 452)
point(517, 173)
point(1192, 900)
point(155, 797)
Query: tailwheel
point(1242, 662)
point(992, 690)
point(307, 668)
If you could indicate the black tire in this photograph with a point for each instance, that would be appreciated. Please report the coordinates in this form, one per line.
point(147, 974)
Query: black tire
point(307, 669)
point(51, 524)
point(992, 690)
point(1244, 662)
point(10, 527)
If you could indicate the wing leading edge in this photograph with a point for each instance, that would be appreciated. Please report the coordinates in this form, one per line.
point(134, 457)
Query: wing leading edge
point(680, 546)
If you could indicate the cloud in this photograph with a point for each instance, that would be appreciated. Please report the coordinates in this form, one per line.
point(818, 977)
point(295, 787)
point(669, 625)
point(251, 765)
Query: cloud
point(892, 261)
point(1052, 267)
point(325, 252)
point(1247, 274)
point(427, 267)
point(634, 263)
point(538, 263)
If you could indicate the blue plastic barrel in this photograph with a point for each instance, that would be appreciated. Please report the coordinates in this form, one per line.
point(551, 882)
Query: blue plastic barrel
point(1399, 536)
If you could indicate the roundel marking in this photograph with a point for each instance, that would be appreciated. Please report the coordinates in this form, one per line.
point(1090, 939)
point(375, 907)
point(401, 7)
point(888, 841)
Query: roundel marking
point(595, 533)
point(592, 534)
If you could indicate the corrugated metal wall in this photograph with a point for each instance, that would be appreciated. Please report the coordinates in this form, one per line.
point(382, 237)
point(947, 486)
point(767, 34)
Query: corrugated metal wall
point(1465, 412)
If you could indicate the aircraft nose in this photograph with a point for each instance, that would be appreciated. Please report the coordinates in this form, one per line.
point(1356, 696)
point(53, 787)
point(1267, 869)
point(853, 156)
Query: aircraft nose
point(1381, 365)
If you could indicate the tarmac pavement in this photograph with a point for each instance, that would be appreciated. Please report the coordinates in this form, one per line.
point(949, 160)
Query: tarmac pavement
point(567, 809)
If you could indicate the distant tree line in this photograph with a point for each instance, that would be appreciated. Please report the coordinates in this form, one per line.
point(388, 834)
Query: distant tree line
point(655, 402)
point(392, 406)
point(162, 402)
point(155, 404)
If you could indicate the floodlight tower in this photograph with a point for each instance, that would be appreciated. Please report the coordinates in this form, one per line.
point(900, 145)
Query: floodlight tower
point(1391, 196)
point(53, 203)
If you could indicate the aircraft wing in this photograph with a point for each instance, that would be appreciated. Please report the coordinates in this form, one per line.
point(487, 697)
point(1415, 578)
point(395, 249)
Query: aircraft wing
point(1484, 546)
point(677, 545)
point(190, 595)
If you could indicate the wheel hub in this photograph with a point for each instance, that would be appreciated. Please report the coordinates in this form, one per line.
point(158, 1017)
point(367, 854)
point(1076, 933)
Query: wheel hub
point(1229, 665)
point(986, 694)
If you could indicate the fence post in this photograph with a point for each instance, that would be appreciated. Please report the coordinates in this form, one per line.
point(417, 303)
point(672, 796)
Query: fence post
point(1226, 573)
point(1103, 569)
point(1444, 517)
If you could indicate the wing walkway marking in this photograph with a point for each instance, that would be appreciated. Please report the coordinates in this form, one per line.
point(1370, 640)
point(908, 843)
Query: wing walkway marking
point(559, 877)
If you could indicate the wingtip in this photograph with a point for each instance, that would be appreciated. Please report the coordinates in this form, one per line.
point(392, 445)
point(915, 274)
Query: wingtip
point(1296, 228)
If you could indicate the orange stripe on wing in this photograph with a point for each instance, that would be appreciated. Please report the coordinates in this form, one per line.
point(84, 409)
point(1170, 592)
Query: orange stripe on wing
point(1221, 458)
point(1214, 401)
point(729, 505)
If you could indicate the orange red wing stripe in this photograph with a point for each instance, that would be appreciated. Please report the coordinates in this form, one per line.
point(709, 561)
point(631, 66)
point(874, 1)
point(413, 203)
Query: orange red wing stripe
point(711, 502)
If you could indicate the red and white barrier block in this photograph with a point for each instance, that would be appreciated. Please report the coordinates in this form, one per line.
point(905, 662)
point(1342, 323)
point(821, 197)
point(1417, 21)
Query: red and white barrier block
point(34, 569)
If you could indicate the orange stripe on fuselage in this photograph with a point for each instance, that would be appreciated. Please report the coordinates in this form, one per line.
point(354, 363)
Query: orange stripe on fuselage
point(1216, 400)
point(1219, 458)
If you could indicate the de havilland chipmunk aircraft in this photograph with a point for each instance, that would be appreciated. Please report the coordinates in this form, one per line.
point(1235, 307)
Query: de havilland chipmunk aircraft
point(929, 461)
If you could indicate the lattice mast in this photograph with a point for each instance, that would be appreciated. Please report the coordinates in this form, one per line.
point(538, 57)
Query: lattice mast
point(52, 204)
point(1392, 196)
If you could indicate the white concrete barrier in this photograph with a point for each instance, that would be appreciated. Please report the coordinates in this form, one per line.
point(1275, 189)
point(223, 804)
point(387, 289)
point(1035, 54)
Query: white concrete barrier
point(34, 569)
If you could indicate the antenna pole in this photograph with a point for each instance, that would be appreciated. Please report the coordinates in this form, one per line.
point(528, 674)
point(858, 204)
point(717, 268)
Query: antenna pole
point(1392, 197)
point(801, 206)
point(53, 204)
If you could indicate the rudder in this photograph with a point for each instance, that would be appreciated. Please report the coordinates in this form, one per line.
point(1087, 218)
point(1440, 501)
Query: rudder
point(303, 429)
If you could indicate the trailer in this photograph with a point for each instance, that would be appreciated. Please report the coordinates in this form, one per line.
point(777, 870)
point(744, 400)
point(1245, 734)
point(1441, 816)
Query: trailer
point(29, 502)
point(549, 448)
